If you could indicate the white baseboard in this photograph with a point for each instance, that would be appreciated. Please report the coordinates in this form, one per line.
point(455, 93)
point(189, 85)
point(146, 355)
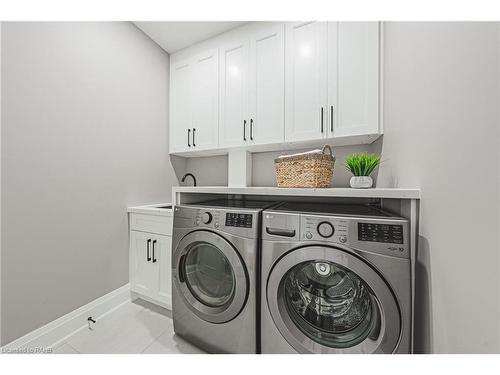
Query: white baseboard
point(60, 329)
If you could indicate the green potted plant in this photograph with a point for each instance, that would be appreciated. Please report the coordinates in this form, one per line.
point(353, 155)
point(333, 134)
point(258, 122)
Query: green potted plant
point(362, 166)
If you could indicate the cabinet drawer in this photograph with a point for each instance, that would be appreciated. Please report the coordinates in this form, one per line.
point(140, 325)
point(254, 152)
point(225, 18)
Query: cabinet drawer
point(151, 223)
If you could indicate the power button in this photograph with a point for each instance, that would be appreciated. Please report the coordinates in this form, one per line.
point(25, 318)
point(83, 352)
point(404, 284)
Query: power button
point(343, 239)
point(309, 235)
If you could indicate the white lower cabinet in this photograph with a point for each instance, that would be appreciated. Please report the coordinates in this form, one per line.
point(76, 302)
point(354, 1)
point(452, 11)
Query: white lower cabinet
point(141, 266)
point(150, 267)
point(164, 269)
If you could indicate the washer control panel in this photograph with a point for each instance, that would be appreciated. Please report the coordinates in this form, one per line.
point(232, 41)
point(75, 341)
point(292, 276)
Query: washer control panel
point(375, 232)
point(379, 235)
point(315, 227)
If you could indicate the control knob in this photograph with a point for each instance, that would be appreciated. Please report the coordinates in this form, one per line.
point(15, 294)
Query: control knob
point(206, 217)
point(325, 229)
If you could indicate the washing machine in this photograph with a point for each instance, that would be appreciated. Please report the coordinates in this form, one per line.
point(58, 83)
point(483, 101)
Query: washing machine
point(214, 274)
point(335, 279)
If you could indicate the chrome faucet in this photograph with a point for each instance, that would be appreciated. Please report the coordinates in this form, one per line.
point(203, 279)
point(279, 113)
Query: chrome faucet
point(191, 175)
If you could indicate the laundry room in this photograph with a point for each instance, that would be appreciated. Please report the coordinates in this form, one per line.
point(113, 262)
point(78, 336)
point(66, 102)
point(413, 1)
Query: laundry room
point(306, 183)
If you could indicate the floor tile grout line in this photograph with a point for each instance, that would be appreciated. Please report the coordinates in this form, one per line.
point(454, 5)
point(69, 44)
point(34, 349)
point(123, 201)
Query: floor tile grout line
point(154, 340)
point(71, 346)
point(148, 346)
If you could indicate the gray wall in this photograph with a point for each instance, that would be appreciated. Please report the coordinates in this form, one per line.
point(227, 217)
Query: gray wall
point(212, 171)
point(263, 171)
point(84, 135)
point(442, 135)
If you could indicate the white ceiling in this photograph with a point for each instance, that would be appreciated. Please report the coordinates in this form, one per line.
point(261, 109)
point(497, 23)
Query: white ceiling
point(175, 35)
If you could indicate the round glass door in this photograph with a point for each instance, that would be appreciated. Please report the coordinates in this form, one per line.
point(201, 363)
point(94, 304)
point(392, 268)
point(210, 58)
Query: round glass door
point(327, 300)
point(210, 276)
point(328, 303)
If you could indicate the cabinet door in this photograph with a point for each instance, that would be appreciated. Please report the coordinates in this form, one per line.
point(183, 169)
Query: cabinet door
point(306, 81)
point(333, 29)
point(181, 118)
point(358, 78)
point(205, 94)
point(143, 276)
point(267, 85)
point(163, 254)
point(234, 122)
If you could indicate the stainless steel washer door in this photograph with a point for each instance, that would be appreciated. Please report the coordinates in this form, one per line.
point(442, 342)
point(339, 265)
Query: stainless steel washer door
point(210, 276)
point(326, 300)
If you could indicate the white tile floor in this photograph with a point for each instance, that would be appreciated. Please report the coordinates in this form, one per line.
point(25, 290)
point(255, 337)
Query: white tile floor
point(135, 327)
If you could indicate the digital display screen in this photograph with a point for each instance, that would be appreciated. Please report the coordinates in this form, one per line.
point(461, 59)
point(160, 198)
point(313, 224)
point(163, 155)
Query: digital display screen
point(380, 233)
point(238, 220)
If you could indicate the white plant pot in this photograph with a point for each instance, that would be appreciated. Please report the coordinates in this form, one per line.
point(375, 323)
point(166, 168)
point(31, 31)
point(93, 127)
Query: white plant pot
point(361, 182)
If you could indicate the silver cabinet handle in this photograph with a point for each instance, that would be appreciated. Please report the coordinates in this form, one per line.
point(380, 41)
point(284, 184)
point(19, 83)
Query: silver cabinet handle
point(251, 129)
point(244, 130)
point(322, 117)
point(193, 137)
point(189, 134)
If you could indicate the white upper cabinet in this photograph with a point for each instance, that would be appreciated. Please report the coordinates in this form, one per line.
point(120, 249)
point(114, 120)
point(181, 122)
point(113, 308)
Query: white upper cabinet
point(194, 119)
point(252, 84)
point(353, 77)
point(181, 114)
point(333, 77)
point(205, 107)
point(267, 85)
point(306, 83)
point(234, 122)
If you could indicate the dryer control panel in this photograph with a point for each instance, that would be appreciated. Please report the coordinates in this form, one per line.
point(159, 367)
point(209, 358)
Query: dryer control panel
point(243, 223)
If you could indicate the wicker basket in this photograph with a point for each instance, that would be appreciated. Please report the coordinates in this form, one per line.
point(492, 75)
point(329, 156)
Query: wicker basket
point(313, 170)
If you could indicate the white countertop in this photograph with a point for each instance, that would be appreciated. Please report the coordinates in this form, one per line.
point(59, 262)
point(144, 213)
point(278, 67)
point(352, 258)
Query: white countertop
point(395, 193)
point(152, 209)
